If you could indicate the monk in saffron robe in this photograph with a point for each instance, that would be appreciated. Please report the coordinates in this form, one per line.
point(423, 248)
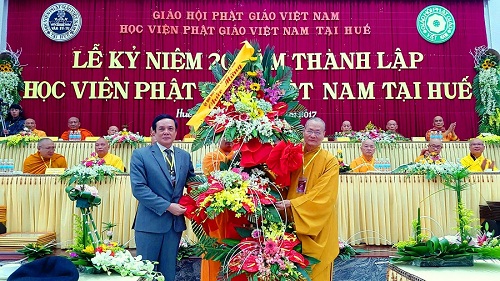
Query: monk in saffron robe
point(31, 125)
point(447, 135)
point(102, 150)
point(312, 201)
point(45, 158)
point(74, 126)
point(221, 229)
point(475, 161)
point(365, 162)
point(431, 154)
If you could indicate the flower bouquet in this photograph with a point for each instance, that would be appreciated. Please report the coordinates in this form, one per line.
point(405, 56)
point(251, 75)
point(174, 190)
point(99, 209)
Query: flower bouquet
point(125, 136)
point(258, 112)
point(248, 106)
point(92, 169)
point(22, 139)
point(11, 81)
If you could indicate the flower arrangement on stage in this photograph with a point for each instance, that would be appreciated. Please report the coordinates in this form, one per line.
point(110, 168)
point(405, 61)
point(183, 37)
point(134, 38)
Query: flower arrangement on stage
point(346, 250)
point(124, 136)
point(22, 139)
point(372, 132)
point(489, 138)
point(432, 170)
point(11, 81)
point(486, 89)
point(92, 169)
point(258, 112)
point(91, 253)
point(187, 249)
point(343, 167)
point(455, 250)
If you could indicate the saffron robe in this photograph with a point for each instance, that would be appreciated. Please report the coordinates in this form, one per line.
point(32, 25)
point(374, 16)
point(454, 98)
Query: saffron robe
point(361, 165)
point(211, 161)
point(83, 132)
point(115, 161)
point(39, 133)
point(314, 212)
point(34, 164)
point(475, 165)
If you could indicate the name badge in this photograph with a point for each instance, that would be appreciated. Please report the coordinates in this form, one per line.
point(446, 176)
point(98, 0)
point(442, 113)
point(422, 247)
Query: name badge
point(301, 187)
point(54, 171)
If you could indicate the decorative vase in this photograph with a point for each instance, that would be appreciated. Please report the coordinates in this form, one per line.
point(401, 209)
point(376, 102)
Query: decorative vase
point(460, 261)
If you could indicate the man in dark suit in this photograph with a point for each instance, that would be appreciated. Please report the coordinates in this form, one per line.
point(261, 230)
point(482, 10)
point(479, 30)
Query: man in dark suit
point(158, 174)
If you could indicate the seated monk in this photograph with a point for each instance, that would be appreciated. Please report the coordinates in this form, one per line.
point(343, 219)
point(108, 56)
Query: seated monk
point(112, 130)
point(431, 154)
point(74, 127)
point(366, 162)
point(440, 130)
point(102, 150)
point(475, 161)
point(45, 158)
point(346, 128)
point(211, 161)
point(31, 125)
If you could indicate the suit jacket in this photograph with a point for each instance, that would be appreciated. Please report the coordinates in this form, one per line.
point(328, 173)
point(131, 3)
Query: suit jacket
point(152, 186)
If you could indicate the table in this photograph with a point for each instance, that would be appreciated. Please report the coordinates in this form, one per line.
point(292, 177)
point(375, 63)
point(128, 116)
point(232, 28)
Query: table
point(376, 209)
point(482, 270)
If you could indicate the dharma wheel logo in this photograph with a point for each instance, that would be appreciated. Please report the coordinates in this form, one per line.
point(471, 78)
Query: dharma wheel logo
point(435, 24)
point(61, 22)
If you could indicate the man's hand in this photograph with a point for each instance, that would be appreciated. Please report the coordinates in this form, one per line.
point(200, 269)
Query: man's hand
point(176, 209)
point(453, 126)
point(281, 205)
point(492, 165)
point(483, 164)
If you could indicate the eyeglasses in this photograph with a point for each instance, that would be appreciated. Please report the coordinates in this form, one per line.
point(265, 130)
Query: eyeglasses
point(435, 145)
point(311, 132)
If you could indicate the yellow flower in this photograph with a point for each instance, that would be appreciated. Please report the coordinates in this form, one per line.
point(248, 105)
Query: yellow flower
point(339, 151)
point(340, 159)
point(5, 67)
point(89, 249)
point(253, 59)
point(255, 86)
point(252, 73)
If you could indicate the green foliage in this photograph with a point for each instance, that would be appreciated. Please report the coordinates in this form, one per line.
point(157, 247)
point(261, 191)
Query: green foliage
point(34, 251)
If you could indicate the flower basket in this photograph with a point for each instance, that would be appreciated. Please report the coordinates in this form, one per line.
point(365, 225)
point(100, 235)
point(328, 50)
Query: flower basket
point(467, 260)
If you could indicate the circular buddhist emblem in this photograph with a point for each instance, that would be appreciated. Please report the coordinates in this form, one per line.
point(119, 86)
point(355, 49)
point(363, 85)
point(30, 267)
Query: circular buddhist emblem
point(435, 24)
point(61, 22)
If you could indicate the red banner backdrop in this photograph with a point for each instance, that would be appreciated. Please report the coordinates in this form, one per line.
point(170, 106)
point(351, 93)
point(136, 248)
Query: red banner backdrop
point(353, 60)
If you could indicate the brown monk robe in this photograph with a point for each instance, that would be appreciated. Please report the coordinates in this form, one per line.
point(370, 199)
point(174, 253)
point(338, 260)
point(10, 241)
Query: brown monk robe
point(74, 126)
point(45, 158)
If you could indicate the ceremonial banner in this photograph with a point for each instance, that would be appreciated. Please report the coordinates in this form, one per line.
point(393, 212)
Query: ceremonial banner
point(124, 62)
point(211, 100)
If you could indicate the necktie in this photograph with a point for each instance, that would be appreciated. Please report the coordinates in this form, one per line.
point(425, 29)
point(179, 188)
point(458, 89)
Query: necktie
point(171, 166)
